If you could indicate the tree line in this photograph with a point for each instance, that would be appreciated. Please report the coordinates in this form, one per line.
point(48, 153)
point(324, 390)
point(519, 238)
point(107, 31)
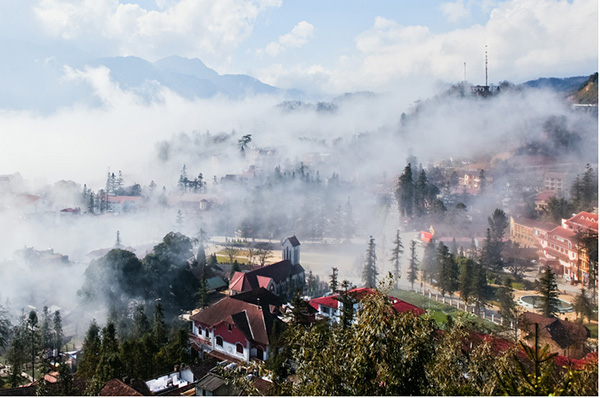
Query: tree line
point(385, 353)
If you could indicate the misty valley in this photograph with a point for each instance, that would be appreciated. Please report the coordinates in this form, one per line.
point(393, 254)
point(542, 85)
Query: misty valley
point(262, 246)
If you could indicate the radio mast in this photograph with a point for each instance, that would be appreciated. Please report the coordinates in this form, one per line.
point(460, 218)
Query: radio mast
point(486, 62)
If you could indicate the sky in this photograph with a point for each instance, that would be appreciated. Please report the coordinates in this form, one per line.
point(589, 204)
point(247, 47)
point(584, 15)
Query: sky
point(331, 46)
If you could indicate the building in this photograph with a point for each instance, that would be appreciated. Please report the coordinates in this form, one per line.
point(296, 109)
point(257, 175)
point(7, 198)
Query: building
point(555, 182)
point(124, 204)
point(528, 233)
point(179, 380)
point(562, 251)
point(330, 307)
point(238, 327)
point(279, 278)
point(564, 337)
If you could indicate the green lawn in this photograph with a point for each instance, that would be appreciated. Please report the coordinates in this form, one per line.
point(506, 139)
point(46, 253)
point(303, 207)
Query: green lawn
point(440, 312)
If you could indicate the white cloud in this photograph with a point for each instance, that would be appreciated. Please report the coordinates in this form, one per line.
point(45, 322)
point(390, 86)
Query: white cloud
point(298, 37)
point(455, 11)
point(185, 27)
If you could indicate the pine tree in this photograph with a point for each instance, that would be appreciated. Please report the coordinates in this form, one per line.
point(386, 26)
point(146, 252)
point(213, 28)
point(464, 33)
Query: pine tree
point(370, 273)
point(413, 264)
point(480, 286)
point(91, 352)
point(119, 183)
point(45, 331)
point(33, 339)
point(141, 325)
point(57, 331)
point(201, 255)
point(482, 181)
point(349, 224)
point(397, 252)
point(405, 192)
point(583, 307)
point(506, 298)
point(118, 243)
point(420, 193)
point(447, 270)
point(430, 265)
point(465, 280)
point(17, 354)
point(589, 188)
point(159, 328)
point(203, 289)
point(548, 289)
point(347, 303)
point(333, 280)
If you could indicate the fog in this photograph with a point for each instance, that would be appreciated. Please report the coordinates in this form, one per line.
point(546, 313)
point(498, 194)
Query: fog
point(343, 153)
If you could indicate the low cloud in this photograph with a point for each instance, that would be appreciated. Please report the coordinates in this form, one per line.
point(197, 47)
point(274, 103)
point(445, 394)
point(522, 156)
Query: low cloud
point(298, 37)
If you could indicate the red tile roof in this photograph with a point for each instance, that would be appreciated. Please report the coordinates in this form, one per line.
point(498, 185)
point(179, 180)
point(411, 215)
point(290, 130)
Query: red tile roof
point(327, 301)
point(278, 272)
point(359, 294)
point(583, 220)
point(253, 320)
point(116, 388)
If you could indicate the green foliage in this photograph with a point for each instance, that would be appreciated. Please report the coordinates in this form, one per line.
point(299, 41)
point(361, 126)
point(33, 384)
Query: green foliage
point(159, 328)
point(57, 330)
point(430, 265)
point(405, 191)
point(413, 264)
point(369, 275)
point(118, 272)
point(91, 352)
point(506, 299)
point(17, 353)
point(5, 327)
point(447, 278)
point(397, 251)
point(557, 209)
point(383, 354)
point(333, 280)
point(582, 305)
point(548, 289)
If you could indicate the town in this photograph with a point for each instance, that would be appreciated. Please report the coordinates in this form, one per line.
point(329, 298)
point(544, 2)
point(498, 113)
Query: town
point(299, 198)
point(497, 254)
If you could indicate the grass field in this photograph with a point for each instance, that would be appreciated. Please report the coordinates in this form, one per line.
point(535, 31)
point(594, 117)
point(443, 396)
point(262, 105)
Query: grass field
point(440, 312)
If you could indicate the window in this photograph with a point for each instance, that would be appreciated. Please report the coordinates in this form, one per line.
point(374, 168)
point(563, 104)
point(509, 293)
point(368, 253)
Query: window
point(239, 348)
point(206, 332)
point(259, 353)
point(220, 341)
point(229, 327)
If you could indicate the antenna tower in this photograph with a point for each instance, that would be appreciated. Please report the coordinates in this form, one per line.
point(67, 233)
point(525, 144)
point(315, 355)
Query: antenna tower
point(486, 62)
point(465, 78)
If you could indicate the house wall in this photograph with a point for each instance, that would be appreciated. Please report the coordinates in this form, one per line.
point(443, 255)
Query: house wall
point(230, 339)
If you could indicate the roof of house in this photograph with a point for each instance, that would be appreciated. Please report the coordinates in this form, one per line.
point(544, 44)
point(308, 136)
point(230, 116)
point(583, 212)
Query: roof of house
point(527, 222)
point(359, 294)
point(116, 388)
point(293, 240)
point(585, 220)
point(260, 296)
point(326, 301)
point(256, 322)
point(563, 232)
point(211, 382)
point(544, 196)
point(260, 277)
point(564, 333)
